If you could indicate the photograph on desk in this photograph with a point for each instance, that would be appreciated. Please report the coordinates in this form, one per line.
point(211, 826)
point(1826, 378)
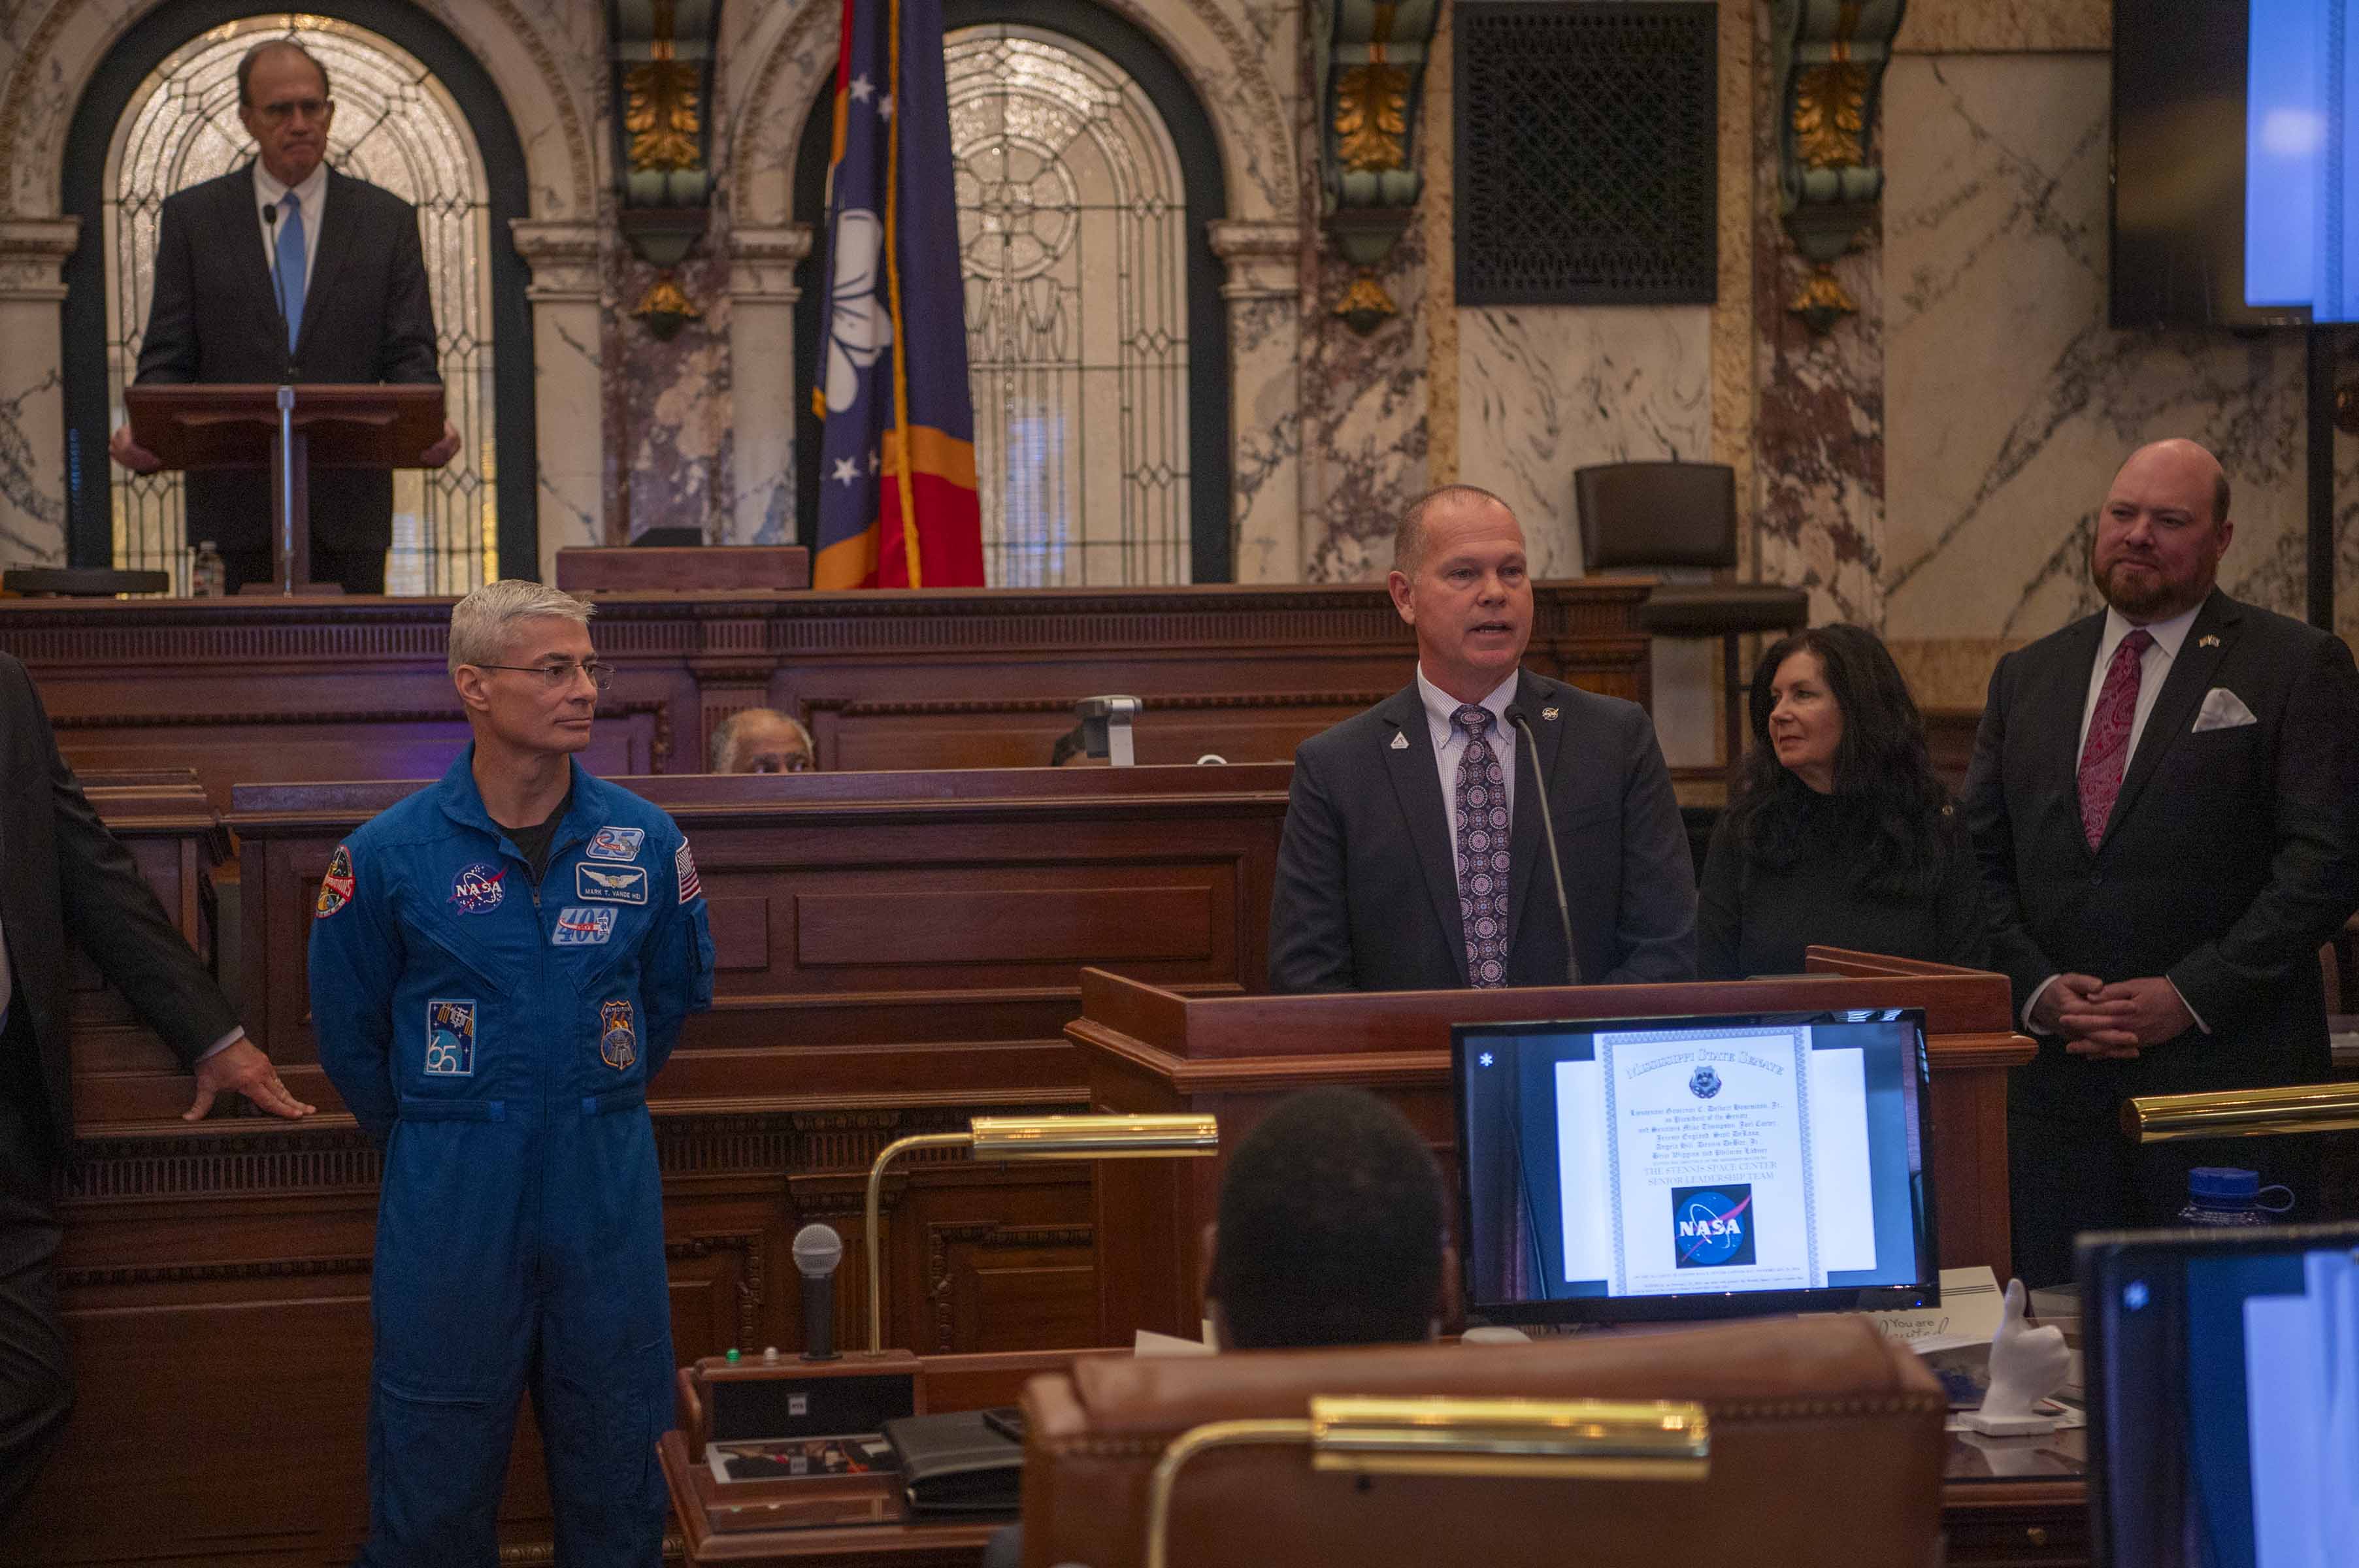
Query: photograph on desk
point(785, 1458)
point(1696, 1167)
point(2224, 1396)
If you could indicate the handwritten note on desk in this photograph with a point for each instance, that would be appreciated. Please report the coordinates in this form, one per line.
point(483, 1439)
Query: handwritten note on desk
point(1972, 1304)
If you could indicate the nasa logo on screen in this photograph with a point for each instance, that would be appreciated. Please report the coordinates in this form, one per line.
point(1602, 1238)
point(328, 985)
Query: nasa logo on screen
point(1711, 1227)
point(1703, 1083)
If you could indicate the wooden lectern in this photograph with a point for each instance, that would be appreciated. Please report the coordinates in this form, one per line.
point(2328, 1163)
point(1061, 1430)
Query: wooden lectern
point(284, 428)
point(1149, 1049)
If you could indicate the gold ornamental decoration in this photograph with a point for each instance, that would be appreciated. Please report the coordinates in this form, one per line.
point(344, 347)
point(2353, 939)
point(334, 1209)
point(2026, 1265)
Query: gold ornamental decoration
point(1372, 117)
point(1828, 116)
point(660, 112)
point(1823, 300)
point(1365, 304)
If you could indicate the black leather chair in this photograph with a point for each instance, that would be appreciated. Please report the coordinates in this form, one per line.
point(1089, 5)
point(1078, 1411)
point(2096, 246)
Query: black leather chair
point(1651, 516)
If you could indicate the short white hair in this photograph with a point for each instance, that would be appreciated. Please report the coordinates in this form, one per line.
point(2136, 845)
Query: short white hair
point(481, 623)
point(726, 734)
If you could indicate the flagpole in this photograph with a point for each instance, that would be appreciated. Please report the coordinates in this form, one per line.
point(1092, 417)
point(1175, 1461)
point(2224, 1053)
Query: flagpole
point(902, 477)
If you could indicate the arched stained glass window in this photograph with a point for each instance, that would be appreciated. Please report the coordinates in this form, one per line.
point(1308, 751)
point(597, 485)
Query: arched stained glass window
point(396, 126)
point(1072, 220)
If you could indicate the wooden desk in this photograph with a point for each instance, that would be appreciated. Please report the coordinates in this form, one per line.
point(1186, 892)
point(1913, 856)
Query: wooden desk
point(319, 689)
point(1150, 1050)
point(2006, 1501)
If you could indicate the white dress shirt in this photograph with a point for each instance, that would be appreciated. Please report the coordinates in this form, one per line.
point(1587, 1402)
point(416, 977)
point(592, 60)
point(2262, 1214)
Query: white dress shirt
point(1450, 741)
point(2154, 668)
point(313, 194)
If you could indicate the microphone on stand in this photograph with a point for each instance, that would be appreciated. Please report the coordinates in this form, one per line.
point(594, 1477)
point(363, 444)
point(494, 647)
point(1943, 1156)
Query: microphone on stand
point(1555, 861)
point(818, 1249)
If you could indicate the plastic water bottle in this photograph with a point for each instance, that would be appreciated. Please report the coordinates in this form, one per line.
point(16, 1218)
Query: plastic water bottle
point(2222, 1196)
point(209, 575)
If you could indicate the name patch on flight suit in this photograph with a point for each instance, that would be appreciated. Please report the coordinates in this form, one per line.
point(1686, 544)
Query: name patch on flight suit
point(478, 889)
point(618, 1042)
point(623, 884)
point(616, 843)
point(581, 927)
point(451, 1037)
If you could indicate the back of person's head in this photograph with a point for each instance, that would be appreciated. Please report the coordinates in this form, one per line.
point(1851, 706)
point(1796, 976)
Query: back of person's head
point(1331, 1227)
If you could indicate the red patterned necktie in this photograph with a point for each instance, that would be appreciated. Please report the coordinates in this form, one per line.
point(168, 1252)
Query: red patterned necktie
point(2106, 751)
point(1482, 851)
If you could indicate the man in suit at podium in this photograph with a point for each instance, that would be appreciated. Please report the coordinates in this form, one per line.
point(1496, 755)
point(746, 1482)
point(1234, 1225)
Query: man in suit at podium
point(2165, 797)
point(1413, 856)
point(287, 271)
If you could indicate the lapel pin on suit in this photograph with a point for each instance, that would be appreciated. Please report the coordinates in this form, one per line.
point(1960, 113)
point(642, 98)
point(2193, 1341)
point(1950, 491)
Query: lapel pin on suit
point(2207, 641)
point(1548, 714)
point(1400, 741)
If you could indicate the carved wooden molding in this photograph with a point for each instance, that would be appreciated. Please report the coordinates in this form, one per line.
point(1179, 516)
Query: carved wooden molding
point(213, 1273)
point(854, 707)
point(753, 1275)
point(940, 1238)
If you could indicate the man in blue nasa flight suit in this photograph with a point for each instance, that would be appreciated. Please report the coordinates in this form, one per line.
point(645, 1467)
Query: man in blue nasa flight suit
point(499, 964)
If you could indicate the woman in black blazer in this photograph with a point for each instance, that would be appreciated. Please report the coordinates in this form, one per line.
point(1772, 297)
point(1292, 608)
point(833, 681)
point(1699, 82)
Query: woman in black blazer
point(1840, 835)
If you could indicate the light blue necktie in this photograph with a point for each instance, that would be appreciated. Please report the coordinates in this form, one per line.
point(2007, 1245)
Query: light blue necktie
point(290, 264)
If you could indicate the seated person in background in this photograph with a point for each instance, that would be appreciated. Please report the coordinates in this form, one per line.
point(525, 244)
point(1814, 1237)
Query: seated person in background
point(763, 740)
point(1329, 1228)
point(1840, 834)
point(1329, 1232)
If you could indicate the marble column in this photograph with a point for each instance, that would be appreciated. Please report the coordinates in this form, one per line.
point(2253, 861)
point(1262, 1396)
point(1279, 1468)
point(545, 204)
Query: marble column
point(32, 391)
point(762, 294)
point(1263, 261)
point(567, 413)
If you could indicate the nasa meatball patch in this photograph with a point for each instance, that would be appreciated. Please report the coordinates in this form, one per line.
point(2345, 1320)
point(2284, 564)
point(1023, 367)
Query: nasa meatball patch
point(336, 887)
point(451, 1037)
point(479, 888)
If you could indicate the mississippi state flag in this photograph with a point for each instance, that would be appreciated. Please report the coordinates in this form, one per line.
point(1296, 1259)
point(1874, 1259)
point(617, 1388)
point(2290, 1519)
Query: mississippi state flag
point(896, 503)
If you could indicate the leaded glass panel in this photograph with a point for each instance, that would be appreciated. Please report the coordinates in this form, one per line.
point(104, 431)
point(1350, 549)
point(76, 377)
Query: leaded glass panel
point(1072, 224)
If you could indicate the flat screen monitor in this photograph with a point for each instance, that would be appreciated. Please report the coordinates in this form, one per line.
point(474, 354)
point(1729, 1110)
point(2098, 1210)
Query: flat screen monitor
point(2222, 1374)
point(1724, 1166)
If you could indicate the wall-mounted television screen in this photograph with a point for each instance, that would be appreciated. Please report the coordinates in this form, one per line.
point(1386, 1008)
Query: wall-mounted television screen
point(2235, 190)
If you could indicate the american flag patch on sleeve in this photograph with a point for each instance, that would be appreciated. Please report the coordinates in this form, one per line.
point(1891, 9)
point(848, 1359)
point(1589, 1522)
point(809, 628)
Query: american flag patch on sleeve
point(685, 864)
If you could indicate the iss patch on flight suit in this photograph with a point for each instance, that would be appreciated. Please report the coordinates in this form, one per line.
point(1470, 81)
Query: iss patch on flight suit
point(496, 1036)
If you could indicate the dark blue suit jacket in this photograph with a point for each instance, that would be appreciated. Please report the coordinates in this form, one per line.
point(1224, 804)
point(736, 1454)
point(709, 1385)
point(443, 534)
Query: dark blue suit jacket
point(1367, 880)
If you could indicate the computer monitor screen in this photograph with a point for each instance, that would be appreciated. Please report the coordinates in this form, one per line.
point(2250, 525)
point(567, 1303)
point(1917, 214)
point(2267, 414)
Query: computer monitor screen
point(1694, 1167)
point(2222, 1375)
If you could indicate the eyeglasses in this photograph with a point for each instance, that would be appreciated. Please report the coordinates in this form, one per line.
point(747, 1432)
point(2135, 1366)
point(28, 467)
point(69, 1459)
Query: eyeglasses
point(561, 673)
point(280, 112)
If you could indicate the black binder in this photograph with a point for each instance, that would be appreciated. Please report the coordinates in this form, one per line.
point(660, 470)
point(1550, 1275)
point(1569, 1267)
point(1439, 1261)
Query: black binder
point(958, 1464)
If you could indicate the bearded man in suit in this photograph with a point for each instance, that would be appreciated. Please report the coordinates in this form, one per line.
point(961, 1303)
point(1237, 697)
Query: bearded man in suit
point(287, 271)
point(1413, 856)
point(2164, 798)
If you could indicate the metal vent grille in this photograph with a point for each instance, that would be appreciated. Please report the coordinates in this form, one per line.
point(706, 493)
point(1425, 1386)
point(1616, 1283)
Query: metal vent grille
point(1587, 152)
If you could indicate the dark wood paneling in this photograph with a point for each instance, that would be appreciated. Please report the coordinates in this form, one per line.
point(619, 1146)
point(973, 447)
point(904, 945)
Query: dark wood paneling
point(313, 689)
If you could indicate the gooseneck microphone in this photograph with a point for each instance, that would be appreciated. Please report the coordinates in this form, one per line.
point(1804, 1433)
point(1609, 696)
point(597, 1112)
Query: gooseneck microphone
point(818, 1249)
point(1555, 861)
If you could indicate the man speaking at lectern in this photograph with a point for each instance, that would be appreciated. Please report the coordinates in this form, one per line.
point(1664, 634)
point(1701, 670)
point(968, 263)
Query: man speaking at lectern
point(287, 271)
point(1415, 857)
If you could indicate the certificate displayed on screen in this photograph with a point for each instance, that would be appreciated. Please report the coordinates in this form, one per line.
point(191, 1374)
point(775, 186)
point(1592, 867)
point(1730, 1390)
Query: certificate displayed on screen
point(1665, 1167)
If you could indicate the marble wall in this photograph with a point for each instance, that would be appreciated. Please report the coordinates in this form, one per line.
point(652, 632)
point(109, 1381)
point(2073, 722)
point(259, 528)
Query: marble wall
point(1994, 279)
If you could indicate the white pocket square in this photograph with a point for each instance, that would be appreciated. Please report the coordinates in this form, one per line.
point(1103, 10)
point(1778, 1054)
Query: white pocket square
point(2222, 709)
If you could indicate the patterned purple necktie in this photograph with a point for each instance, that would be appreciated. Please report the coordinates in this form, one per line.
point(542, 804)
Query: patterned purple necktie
point(1482, 850)
point(2106, 751)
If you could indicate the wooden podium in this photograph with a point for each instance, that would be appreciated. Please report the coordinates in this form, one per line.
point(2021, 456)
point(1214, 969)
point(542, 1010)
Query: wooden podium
point(1148, 1049)
point(283, 428)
